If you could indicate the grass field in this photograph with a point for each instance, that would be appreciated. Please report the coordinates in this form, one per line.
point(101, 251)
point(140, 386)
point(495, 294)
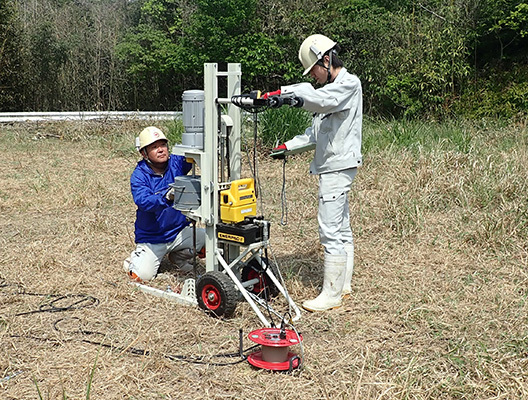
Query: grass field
point(440, 292)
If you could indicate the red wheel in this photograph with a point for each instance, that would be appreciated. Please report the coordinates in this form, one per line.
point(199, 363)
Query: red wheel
point(264, 286)
point(261, 284)
point(211, 297)
point(216, 293)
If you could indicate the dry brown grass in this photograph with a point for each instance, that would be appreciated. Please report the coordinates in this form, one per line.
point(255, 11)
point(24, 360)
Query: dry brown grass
point(439, 309)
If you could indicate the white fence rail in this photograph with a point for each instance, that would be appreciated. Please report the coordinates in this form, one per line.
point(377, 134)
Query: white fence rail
point(86, 115)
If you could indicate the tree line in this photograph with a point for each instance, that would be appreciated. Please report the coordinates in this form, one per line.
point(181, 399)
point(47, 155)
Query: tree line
point(415, 58)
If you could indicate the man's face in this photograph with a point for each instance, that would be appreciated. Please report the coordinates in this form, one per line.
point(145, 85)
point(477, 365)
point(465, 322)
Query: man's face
point(158, 152)
point(319, 74)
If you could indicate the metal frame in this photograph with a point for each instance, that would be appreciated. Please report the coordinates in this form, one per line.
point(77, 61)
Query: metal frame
point(208, 161)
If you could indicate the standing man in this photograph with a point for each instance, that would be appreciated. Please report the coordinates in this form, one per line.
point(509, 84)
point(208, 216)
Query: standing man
point(159, 229)
point(336, 133)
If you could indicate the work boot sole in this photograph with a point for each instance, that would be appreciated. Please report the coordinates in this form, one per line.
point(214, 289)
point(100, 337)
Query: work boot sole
point(321, 309)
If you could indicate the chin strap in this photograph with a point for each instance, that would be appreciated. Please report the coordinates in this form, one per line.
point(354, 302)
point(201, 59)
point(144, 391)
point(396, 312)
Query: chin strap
point(320, 57)
point(329, 68)
point(145, 157)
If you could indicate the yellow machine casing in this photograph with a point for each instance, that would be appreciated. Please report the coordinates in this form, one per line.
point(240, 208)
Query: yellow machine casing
point(239, 201)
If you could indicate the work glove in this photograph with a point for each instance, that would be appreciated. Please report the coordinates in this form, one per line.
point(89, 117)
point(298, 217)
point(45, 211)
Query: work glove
point(170, 194)
point(277, 153)
point(270, 94)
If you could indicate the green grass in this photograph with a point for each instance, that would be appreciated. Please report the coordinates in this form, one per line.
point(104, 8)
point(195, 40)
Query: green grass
point(417, 135)
point(173, 130)
point(466, 168)
point(280, 125)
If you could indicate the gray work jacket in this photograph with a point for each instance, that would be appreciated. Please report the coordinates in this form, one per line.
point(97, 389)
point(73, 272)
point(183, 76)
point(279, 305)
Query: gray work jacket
point(336, 125)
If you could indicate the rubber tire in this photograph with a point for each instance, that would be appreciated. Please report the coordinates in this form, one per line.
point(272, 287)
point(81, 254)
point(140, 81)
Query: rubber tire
point(216, 293)
point(252, 269)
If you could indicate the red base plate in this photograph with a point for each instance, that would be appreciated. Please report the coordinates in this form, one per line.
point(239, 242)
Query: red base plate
point(256, 360)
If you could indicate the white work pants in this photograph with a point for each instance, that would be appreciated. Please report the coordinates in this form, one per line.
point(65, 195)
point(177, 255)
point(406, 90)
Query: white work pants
point(334, 215)
point(145, 260)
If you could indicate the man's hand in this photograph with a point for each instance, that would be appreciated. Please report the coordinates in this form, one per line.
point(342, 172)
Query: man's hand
point(170, 195)
point(278, 152)
point(270, 94)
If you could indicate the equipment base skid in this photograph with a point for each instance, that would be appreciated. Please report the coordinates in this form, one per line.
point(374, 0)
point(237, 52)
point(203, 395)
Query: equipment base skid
point(186, 297)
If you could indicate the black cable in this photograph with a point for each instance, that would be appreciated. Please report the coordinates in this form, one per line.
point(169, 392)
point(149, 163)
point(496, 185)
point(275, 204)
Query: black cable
point(78, 301)
point(79, 330)
point(267, 290)
point(144, 352)
point(255, 139)
point(83, 302)
point(284, 203)
point(252, 163)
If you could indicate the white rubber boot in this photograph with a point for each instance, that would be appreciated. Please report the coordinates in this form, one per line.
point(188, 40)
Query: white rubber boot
point(347, 288)
point(334, 277)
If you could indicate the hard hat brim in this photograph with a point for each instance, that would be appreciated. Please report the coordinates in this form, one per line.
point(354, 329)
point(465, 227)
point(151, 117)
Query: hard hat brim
point(307, 70)
point(148, 144)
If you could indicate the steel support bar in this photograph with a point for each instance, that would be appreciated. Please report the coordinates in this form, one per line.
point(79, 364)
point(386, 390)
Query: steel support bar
point(242, 290)
point(283, 291)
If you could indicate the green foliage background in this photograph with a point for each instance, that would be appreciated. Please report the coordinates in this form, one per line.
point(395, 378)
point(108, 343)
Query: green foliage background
point(431, 59)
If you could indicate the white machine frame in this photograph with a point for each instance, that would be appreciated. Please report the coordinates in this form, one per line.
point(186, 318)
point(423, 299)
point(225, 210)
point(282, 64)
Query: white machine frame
point(210, 162)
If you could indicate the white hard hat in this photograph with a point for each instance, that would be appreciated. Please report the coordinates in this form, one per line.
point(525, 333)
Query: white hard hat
point(148, 136)
point(313, 49)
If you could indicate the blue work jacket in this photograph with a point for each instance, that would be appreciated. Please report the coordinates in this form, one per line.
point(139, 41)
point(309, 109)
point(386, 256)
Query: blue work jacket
point(156, 220)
